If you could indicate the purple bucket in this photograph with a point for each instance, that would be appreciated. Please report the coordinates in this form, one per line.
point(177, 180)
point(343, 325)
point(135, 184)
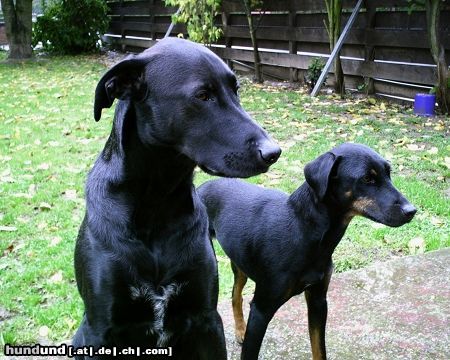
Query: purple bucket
point(424, 104)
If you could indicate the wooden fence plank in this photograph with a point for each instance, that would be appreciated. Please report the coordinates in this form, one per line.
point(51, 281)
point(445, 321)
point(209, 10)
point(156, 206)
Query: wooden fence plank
point(118, 27)
point(407, 73)
point(422, 56)
point(397, 89)
point(375, 37)
point(139, 7)
point(386, 32)
point(398, 72)
point(282, 5)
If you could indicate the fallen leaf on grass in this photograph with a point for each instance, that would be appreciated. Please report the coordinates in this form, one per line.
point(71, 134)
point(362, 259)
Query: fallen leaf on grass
point(7, 179)
point(70, 194)
point(416, 245)
point(447, 162)
point(43, 206)
point(43, 166)
point(56, 277)
point(299, 137)
point(433, 151)
point(53, 143)
point(42, 225)
point(401, 142)
point(44, 331)
point(24, 219)
point(84, 141)
point(437, 221)
point(8, 228)
point(5, 158)
point(273, 175)
point(8, 250)
point(415, 147)
point(32, 189)
point(55, 241)
point(73, 169)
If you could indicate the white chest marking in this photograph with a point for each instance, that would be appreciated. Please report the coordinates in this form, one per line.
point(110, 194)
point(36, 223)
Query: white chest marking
point(159, 298)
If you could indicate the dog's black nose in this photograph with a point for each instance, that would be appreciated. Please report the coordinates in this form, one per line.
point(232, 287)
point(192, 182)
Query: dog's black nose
point(270, 152)
point(409, 211)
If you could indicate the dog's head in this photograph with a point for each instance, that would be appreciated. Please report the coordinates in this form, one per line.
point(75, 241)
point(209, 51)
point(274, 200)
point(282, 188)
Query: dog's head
point(185, 97)
point(358, 181)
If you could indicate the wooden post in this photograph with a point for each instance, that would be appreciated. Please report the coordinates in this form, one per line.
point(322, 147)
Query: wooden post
point(228, 40)
point(122, 29)
point(337, 48)
point(369, 49)
point(172, 24)
point(152, 19)
point(293, 72)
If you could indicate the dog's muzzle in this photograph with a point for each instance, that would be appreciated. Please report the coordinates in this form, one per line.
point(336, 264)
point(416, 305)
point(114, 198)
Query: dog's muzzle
point(269, 152)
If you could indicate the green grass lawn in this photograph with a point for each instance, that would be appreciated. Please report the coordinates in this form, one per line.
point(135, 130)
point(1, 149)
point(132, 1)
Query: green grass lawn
point(49, 141)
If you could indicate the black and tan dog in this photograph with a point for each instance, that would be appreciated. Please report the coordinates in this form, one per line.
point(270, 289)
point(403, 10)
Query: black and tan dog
point(144, 263)
point(285, 243)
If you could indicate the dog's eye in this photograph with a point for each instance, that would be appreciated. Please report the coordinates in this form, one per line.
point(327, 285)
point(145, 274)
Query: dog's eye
point(203, 95)
point(368, 179)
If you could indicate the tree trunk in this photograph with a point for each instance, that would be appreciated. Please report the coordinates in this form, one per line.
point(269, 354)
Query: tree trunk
point(256, 58)
point(334, 9)
point(438, 53)
point(18, 26)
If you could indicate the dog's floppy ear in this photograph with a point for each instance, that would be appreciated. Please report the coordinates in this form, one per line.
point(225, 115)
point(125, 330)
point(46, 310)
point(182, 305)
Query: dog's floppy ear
point(123, 81)
point(318, 172)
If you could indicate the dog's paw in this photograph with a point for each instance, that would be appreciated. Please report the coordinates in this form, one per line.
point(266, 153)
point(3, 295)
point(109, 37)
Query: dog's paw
point(240, 333)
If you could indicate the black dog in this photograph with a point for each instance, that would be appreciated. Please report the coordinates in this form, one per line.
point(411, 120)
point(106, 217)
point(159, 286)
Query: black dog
point(144, 263)
point(285, 243)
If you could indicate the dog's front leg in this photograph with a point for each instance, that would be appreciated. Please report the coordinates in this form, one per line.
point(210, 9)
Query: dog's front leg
point(205, 339)
point(258, 320)
point(316, 299)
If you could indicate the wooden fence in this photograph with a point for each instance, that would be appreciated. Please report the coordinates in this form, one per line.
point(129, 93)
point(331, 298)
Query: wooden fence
point(386, 43)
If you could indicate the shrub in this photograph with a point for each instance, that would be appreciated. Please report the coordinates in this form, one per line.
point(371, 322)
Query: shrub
point(199, 18)
point(313, 72)
point(71, 26)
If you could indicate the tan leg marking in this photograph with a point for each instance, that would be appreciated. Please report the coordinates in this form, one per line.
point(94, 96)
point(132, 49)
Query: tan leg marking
point(240, 279)
point(317, 353)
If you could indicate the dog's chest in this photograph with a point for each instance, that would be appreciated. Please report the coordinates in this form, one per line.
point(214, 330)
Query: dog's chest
point(158, 298)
